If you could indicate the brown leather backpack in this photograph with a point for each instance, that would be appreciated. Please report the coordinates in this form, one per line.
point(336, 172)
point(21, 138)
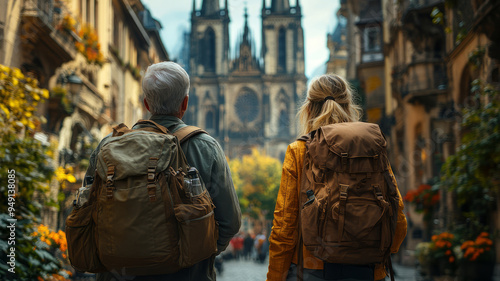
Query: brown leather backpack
point(140, 219)
point(351, 218)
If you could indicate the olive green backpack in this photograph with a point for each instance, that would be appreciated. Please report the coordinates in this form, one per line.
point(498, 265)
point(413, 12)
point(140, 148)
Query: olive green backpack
point(140, 219)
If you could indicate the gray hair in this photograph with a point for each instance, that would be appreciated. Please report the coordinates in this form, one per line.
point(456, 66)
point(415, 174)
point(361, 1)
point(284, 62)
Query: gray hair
point(165, 86)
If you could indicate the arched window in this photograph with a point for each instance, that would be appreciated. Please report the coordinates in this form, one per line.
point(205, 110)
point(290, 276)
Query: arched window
point(209, 54)
point(282, 50)
point(282, 103)
point(284, 123)
point(209, 120)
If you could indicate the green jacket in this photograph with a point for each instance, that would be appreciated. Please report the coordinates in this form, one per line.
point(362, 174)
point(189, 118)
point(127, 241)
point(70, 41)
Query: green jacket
point(203, 152)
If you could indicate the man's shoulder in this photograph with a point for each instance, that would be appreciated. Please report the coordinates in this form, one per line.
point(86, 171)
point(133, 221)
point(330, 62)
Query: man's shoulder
point(204, 139)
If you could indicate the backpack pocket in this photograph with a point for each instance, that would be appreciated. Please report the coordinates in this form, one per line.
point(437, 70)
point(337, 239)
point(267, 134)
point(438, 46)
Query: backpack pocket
point(311, 222)
point(362, 219)
point(82, 247)
point(198, 232)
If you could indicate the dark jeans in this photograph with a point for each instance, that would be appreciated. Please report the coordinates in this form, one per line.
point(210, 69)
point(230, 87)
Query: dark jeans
point(342, 273)
point(202, 271)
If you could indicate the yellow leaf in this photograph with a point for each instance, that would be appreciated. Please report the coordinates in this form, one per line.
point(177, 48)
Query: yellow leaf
point(45, 93)
point(4, 108)
point(14, 81)
point(36, 96)
point(17, 73)
point(71, 179)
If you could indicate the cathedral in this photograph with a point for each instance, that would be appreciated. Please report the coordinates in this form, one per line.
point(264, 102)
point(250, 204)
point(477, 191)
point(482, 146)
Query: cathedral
point(250, 99)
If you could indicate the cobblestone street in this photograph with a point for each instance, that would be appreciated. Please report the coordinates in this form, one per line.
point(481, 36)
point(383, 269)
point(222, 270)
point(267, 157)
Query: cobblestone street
point(242, 270)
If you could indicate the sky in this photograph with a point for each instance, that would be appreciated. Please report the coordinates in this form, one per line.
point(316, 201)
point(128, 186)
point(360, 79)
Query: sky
point(318, 19)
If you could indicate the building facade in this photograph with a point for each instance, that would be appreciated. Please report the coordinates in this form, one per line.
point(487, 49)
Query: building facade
point(249, 99)
point(415, 62)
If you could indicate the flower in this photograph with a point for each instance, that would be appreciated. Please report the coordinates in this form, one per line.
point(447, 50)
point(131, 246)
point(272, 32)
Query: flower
point(479, 249)
point(424, 198)
point(57, 240)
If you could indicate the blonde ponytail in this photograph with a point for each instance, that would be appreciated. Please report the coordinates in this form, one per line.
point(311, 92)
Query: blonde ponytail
point(329, 100)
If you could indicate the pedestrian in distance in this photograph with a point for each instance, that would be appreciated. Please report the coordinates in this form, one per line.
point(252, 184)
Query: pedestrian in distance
point(320, 218)
point(166, 90)
point(247, 246)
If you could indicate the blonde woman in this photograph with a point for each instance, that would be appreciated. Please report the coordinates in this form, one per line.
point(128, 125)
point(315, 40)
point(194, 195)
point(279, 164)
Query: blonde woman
point(329, 100)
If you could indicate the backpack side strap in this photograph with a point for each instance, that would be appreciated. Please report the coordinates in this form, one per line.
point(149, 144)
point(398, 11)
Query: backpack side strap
point(183, 134)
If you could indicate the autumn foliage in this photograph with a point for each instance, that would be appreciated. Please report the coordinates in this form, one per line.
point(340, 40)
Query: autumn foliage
point(256, 178)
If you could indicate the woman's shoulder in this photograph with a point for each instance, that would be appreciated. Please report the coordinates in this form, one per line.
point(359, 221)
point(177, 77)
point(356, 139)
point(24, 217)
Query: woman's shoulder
point(297, 147)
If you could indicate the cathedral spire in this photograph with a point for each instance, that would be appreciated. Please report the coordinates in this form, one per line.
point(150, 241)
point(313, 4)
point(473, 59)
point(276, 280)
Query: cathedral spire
point(210, 7)
point(297, 7)
point(245, 30)
point(194, 8)
point(280, 6)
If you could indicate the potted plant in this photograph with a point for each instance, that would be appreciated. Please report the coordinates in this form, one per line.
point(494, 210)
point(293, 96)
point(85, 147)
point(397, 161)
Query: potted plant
point(425, 198)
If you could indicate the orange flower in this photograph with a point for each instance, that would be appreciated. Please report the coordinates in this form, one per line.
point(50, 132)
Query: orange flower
point(451, 259)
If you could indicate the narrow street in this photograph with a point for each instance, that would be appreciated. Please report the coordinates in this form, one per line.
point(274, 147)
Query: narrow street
point(243, 270)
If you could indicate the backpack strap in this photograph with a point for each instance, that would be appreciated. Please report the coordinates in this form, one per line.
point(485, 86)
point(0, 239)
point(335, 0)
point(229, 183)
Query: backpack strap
point(120, 130)
point(304, 138)
point(184, 133)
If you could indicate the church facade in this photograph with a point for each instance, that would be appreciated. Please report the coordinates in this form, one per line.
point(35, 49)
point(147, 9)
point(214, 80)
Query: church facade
point(247, 100)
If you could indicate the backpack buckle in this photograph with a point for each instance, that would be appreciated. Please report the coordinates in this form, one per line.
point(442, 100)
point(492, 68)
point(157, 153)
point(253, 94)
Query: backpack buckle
point(109, 182)
point(343, 191)
point(152, 192)
point(378, 192)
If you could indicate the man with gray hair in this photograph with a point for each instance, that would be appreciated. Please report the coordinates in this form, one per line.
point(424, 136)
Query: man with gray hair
point(166, 90)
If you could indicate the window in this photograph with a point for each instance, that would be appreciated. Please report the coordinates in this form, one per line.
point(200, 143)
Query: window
point(284, 123)
point(372, 39)
point(116, 32)
point(247, 105)
point(282, 50)
point(209, 47)
point(209, 119)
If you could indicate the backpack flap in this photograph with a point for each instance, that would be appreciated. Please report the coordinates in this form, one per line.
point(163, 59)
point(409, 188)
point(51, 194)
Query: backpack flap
point(130, 153)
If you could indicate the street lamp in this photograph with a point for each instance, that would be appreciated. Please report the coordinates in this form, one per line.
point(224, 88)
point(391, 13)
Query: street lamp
point(75, 83)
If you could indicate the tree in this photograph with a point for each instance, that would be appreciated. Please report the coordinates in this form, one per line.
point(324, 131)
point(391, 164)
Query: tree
point(256, 178)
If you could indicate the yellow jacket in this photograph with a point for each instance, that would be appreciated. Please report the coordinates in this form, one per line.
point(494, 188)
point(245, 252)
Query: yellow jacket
point(284, 235)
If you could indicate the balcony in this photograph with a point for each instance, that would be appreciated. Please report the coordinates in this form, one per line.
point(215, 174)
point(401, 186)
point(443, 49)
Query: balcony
point(42, 17)
point(420, 4)
point(424, 81)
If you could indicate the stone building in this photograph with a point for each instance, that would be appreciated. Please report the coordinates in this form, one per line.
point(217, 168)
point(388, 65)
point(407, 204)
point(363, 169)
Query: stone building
point(249, 100)
point(90, 54)
point(429, 76)
point(416, 61)
point(356, 52)
point(338, 48)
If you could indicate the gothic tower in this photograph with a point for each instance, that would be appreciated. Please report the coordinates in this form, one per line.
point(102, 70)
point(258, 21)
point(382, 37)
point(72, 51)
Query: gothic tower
point(208, 63)
point(251, 99)
point(283, 57)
